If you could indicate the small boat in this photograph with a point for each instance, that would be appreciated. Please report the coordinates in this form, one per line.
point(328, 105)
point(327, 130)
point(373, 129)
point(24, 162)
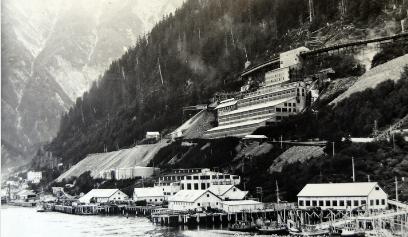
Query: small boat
point(40, 208)
point(309, 230)
point(350, 230)
point(243, 226)
point(269, 228)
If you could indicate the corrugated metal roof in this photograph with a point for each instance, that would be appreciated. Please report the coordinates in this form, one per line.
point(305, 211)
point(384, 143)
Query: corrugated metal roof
point(98, 193)
point(226, 104)
point(220, 189)
point(189, 195)
point(148, 192)
point(259, 106)
point(246, 123)
point(337, 189)
point(241, 202)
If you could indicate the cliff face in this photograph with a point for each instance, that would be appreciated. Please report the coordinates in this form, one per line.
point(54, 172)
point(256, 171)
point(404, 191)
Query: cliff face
point(52, 51)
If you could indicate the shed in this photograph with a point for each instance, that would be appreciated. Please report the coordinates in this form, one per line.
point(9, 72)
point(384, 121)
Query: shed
point(103, 195)
point(241, 205)
point(194, 199)
point(152, 195)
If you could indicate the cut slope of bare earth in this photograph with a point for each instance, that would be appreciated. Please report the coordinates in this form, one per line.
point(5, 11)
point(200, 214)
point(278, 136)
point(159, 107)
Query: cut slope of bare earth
point(136, 156)
point(295, 154)
point(388, 71)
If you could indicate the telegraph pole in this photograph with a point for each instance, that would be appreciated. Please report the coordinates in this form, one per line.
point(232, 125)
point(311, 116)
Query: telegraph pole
point(333, 148)
point(281, 141)
point(277, 192)
point(396, 189)
point(354, 174)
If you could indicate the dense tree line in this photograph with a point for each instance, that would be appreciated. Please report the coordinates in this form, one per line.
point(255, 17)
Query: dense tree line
point(186, 57)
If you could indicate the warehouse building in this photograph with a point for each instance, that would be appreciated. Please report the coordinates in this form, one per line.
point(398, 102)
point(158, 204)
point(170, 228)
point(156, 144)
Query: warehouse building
point(343, 196)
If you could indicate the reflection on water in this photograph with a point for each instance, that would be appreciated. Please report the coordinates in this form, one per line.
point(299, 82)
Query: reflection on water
point(27, 222)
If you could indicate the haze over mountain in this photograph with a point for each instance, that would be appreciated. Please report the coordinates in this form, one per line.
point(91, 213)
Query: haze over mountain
point(52, 51)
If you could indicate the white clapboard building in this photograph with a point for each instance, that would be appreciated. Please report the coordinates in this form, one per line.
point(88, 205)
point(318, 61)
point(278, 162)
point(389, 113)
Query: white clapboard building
point(194, 199)
point(343, 196)
point(241, 205)
point(152, 195)
point(228, 192)
point(103, 195)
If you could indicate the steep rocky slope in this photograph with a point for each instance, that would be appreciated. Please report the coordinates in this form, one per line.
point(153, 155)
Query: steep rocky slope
point(52, 51)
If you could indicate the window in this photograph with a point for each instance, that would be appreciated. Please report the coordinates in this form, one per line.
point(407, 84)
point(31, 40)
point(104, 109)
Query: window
point(334, 203)
point(202, 186)
point(208, 195)
point(371, 202)
point(363, 202)
point(278, 110)
point(182, 186)
point(341, 203)
point(195, 186)
point(377, 202)
point(198, 204)
point(328, 203)
point(321, 203)
point(314, 203)
point(301, 203)
point(284, 110)
point(188, 186)
point(382, 201)
point(195, 177)
point(155, 200)
point(307, 203)
point(356, 203)
point(227, 176)
point(188, 177)
point(349, 203)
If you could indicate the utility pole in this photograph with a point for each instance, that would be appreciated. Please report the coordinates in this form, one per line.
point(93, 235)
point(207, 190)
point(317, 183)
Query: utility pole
point(393, 140)
point(396, 189)
point(277, 192)
point(354, 174)
point(333, 148)
point(281, 142)
point(368, 178)
point(311, 10)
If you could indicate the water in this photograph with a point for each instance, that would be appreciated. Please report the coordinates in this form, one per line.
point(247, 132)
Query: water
point(27, 222)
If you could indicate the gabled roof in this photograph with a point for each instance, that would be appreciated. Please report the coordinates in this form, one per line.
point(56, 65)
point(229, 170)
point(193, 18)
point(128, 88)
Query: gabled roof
point(226, 104)
point(337, 189)
point(25, 192)
point(189, 195)
point(259, 106)
point(98, 193)
point(220, 190)
point(241, 202)
point(148, 192)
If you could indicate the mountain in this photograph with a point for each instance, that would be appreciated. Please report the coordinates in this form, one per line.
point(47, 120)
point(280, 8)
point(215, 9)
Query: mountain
point(190, 55)
point(52, 52)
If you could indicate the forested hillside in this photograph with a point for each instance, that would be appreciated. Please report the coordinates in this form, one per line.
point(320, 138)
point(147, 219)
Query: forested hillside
point(185, 59)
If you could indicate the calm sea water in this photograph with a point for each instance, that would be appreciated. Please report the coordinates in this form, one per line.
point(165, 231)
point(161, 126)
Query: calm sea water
point(27, 222)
